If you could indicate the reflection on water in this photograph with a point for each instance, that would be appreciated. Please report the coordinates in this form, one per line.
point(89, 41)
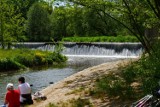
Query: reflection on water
point(41, 78)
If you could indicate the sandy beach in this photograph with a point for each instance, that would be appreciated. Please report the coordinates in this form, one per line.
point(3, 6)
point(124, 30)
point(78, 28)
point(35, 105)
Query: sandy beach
point(67, 89)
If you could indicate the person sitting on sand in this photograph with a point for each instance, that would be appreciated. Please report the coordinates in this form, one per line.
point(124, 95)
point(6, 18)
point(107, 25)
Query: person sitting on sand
point(12, 96)
point(25, 92)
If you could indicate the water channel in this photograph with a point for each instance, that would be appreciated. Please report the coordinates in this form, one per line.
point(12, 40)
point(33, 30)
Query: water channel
point(79, 58)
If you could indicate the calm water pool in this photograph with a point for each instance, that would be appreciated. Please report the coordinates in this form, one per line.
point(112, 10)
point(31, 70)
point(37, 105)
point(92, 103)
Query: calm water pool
point(40, 78)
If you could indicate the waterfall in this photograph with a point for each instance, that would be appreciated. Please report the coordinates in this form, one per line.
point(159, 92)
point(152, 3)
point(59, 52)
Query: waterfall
point(118, 50)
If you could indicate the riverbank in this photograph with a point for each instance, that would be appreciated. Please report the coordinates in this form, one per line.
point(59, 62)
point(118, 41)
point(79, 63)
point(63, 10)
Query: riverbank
point(16, 59)
point(119, 38)
point(76, 86)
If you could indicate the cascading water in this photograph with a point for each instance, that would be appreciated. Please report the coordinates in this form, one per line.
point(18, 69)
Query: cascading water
point(118, 50)
point(91, 53)
point(80, 56)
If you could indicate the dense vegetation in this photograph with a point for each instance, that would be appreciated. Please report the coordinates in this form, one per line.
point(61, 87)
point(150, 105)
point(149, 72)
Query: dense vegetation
point(135, 81)
point(37, 20)
point(102, 39)
point(22, 58)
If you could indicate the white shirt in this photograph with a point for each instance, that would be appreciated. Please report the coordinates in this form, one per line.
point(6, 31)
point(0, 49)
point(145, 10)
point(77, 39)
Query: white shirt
point(24, 89)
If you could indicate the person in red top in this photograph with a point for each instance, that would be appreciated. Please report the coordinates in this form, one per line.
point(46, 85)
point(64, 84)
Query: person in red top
point(12, 96)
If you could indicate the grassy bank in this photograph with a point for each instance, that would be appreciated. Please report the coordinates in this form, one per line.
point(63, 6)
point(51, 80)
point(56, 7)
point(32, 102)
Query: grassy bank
point(101, 39)
point(22, 58)
point(122, 87)
point(132, 82)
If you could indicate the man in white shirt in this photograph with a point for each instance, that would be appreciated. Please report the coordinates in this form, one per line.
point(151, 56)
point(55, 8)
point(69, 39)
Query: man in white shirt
point(25, 92)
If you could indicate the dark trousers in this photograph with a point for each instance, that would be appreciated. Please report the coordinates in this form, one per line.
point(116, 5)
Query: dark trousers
point(28, 100)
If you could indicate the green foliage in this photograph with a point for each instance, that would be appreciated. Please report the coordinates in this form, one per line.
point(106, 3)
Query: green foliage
point(81, 103)
point(22, 58)
point(76, 20)
point(101, 39)
point(51, 105)
point(23, 6)
point(142, 72)
point(10, 23)
point(137, 16)
point(145, 70)
point(10, 64)
point(38, 24)
point(113, 86)
point(59, 20)
point(59, 47)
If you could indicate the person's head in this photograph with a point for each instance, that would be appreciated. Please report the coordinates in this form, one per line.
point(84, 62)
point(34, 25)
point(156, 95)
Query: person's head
point(21, 79)
point(9, 86)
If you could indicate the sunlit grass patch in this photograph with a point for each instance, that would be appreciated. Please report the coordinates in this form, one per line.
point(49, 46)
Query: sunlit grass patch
point(101, 39)
point(15, 59)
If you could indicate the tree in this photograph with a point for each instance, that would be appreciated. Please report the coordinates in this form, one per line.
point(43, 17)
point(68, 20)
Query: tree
point(98, 23)
point(10, 21)
point(38, 25)
point(59, 23)
point(155, 6)
point(24, 5)
point(80, 21)
point(135, 15)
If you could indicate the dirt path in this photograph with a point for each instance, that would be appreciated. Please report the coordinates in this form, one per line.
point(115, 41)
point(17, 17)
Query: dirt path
point(70, 87)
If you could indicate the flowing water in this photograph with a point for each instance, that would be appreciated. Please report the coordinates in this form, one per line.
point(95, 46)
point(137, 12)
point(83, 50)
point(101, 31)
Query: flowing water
point(79, 57)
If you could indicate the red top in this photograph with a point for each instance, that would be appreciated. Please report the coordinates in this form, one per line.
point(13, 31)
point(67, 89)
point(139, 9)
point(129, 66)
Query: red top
point(12, 98)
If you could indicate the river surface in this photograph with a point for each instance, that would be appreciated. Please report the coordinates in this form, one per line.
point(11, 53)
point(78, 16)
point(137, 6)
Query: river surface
point(40, 78)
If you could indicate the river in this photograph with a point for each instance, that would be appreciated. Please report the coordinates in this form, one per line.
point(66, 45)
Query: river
point(80, 56)
point(42, 77)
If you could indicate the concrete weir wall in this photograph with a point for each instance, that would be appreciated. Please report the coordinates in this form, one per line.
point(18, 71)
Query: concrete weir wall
point(95, 48)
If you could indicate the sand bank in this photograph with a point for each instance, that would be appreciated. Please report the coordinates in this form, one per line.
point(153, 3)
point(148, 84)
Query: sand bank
point(63, 90)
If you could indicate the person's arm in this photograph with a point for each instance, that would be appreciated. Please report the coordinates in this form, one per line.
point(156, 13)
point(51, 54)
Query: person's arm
point(19, 89)
point(5, 102)
point(6, 99)
point(29, 87)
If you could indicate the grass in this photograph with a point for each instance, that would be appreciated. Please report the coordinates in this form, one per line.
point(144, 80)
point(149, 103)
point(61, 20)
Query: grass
point(52, 105)
point(15, 59)
point(101, 39)
point(141, 72)
point(73, 103)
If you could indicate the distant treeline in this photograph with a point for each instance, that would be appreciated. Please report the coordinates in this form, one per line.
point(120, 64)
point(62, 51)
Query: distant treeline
point(53, 20)
point(37, 20)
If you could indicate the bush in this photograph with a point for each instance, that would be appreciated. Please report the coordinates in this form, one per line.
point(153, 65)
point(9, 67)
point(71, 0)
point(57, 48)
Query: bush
point(81, 103)
point(10, 64)
point(51, 105)
point(39, 59)
point(28, 58)
point(142, 72)
point(113, 86)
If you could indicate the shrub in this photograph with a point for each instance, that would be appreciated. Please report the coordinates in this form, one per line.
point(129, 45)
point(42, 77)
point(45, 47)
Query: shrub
point(51, 105)
point(113, 85)
point(81, 103)
point(10, 64)
point(26, 60)
point(39, 59)
point(21, 58)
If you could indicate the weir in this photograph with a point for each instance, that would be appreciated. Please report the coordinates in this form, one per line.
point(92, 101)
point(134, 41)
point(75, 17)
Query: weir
point(80, 57)
point(105, 49)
